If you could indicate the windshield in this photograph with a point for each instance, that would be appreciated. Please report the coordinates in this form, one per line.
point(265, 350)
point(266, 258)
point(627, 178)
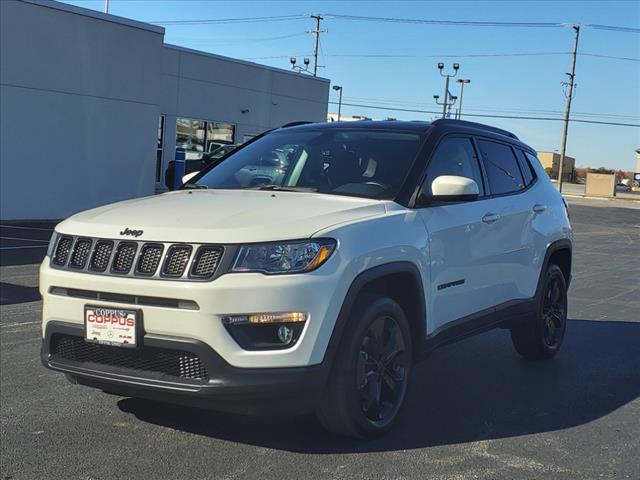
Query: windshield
point(343, 162)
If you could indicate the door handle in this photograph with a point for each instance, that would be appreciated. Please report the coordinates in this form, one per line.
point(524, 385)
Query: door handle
point(539, 208)
point(490, 218)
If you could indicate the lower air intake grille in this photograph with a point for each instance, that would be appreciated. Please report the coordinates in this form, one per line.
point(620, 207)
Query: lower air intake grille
point(176, 260)
point(206, 261)
point(80, 253)
point(123, 259)
point(175, 363)
point(62, 250)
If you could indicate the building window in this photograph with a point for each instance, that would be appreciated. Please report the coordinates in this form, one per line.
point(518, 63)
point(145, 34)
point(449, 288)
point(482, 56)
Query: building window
point(190, 135)
point(159, 148)
point(219, 134)
point(198, 137)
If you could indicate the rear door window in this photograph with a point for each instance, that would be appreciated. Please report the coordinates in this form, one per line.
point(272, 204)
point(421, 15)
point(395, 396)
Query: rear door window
point(525, 167)
point(501, 166)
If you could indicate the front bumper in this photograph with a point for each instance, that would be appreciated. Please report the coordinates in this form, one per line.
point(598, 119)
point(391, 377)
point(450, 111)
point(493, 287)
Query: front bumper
point(319, 293)
point(273, 391)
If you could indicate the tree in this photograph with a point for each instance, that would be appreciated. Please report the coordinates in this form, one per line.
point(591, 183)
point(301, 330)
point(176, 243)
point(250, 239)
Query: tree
point(549, 171)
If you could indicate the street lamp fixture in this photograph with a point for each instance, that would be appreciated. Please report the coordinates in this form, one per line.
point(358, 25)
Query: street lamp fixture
point(462, 83)
point(339, 88)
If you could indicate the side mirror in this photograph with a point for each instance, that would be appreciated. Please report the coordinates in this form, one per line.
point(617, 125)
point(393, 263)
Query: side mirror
point(450, 188)
point(189, 176)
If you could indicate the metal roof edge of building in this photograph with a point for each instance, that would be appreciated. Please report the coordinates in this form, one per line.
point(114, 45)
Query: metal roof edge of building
point(244, 62)
point(96, 14)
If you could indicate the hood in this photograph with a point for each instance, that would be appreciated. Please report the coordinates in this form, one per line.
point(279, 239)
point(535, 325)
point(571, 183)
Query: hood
point(221, 216)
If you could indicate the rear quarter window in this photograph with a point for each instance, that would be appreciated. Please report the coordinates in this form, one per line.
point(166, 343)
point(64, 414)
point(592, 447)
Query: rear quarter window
point(501, 166)
point(528, 173)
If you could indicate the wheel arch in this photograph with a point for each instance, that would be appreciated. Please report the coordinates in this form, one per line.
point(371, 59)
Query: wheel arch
point(559, 253)
point(402, 282)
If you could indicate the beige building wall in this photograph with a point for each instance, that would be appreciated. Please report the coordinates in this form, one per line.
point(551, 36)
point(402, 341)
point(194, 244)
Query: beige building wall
point(600, 184)
point(552, 159)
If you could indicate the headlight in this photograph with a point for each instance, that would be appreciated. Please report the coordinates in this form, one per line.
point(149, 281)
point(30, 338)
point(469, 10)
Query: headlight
point(52, 243)
point(285, 257)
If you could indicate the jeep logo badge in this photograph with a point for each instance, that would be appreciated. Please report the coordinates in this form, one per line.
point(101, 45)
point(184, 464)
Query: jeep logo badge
point(133, 233)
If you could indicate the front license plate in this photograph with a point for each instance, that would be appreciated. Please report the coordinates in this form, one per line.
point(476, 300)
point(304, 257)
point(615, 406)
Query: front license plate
point(111, 326)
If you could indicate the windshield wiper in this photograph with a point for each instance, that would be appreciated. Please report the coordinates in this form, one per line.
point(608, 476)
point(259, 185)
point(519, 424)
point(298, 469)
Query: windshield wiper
point(279, 188)
point(193, 186)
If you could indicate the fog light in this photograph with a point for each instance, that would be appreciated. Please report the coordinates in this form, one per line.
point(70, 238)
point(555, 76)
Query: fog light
point(266, 331)
point(285, 334)
point(263, 318)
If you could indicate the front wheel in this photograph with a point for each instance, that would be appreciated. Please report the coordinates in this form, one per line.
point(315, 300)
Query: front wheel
point(370, 372)
point(541, 337)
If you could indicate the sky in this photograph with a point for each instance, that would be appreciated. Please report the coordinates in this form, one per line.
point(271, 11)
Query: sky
point(403, 74)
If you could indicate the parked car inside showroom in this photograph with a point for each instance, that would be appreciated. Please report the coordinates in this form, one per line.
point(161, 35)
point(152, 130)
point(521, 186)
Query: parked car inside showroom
point(310, 269)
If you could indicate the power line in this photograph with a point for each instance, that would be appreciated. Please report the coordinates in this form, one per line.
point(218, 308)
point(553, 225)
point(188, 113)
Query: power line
point(469, 55)
point(219, 41)
point(300, 16)
point(517, 117)
point(276, 18)
point(445, 22)
point(614, 28)
point(385, 103)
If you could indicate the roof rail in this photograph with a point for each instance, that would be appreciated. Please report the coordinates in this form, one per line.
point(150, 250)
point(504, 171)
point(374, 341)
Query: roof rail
point(295, 124)
point(480, 126)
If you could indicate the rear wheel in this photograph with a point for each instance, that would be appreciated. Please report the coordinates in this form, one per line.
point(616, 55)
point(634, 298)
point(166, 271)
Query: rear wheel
point(370, 373)
point(541, 337)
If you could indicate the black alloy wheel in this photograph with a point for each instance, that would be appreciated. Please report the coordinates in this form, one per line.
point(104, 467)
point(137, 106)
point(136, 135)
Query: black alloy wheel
point(554, 312)
point(540, 335)
point(370, 371)
point(381, 370)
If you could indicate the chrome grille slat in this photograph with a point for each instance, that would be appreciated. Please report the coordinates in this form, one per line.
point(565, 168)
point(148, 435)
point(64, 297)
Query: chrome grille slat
point(80, 253)
point(123, 258)
point(62, 250)
point(206, 261)
point(176, 261)
point(101, 255)
point(137, 258)
point(149, 258)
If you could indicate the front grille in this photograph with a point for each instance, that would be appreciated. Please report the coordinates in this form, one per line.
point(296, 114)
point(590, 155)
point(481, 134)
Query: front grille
point(176, 260)
point(207, 259)
point(80, 253)
point(149, 258)
point(175, 363)
point(101, 255)
point(123, 259)
point(132, 258)
point(62, 250)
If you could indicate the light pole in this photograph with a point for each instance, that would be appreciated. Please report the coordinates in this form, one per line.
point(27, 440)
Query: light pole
point(298, 68)
point(339, 88)
point(445, 103)
point(462, 83)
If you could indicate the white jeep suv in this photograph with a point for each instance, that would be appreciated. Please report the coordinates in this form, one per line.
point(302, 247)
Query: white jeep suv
point(310, 269)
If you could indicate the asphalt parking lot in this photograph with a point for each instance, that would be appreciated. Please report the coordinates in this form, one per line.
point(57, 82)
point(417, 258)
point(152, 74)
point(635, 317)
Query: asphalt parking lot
point(475, 410)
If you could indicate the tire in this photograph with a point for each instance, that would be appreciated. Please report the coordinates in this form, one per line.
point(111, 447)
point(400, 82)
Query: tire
point(541, 336)
point(370, 374)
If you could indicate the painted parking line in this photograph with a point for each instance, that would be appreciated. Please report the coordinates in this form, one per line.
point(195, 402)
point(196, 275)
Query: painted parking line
point(24, 239)
point(26, 228)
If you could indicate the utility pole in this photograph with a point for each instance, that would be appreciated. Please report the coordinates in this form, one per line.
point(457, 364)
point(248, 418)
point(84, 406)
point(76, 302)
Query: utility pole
point(567, 111)
point(462, 84)
point(316, 35)
point(106, 6)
